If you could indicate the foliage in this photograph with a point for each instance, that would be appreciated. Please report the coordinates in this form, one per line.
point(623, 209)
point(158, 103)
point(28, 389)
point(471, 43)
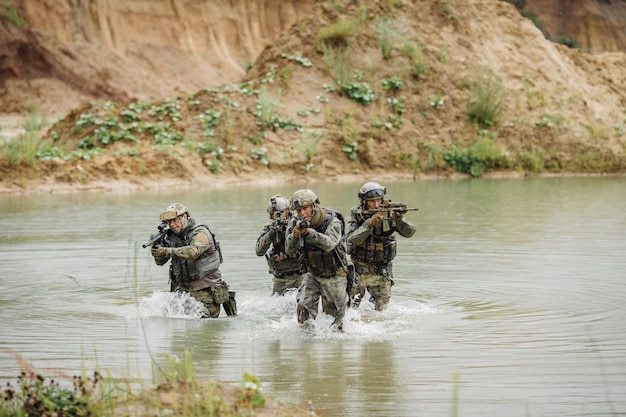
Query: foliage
point(477, 158)
point(568, 41)
point(389, 33)
point(350, 150)
point(13, 16)
point(338, 34)
point(34, 397)
point(260, 154)
point(27, 146)
point(488, 94)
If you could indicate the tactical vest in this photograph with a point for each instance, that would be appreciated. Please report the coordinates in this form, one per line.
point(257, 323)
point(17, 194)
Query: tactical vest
point(321, 263)
point(187, 270)
point(281, 264)
point(379, 248)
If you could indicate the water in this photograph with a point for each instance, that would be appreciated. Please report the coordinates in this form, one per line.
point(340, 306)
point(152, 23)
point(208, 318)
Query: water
point(509, 300)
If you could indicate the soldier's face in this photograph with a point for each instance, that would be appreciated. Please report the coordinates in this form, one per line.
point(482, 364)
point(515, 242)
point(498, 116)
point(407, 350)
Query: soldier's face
point(374, 203)
point(306, 211)
point(177, 223)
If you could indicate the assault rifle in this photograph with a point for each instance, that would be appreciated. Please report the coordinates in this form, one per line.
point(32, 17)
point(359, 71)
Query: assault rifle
point(385, 208)
point(303, 225)
point(278, 225)
point(158, 238)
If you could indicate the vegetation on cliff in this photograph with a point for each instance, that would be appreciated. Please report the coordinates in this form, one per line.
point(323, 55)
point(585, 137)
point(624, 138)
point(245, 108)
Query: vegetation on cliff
point(428, 87)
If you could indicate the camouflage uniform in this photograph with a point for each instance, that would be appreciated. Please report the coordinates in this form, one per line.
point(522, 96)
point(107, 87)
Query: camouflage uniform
point(284, 268)
point(195, 267)
point(372, 250)
point(323, 254)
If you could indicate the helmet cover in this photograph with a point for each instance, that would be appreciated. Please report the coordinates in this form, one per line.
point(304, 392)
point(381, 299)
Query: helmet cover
point(303, 198)
point(172, 211)
point(277, 203)
point(371, 191)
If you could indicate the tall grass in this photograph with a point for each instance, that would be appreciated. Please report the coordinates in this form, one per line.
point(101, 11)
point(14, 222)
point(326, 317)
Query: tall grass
point(25, 147)
point(486, 102)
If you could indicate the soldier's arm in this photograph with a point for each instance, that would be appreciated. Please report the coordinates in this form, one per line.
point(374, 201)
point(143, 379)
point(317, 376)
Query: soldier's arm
point(200, 242)
point(264, 241)
point(405, 227)
point(357, 231)
point(327, 240)
point(291, 243)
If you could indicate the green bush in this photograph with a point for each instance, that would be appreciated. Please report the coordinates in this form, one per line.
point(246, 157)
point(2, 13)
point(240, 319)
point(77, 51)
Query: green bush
point(476, 159)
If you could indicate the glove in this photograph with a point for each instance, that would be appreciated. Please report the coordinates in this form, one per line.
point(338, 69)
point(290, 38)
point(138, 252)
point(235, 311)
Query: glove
point(375, 220)
point(396, 216)
point(160, 252)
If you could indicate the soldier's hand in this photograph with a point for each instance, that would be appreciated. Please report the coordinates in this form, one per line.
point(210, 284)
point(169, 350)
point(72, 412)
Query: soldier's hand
point(396, 216)
point(159, 252)
point(376, 220)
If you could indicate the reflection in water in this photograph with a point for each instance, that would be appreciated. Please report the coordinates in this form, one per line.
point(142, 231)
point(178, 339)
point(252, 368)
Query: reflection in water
point(517, 286)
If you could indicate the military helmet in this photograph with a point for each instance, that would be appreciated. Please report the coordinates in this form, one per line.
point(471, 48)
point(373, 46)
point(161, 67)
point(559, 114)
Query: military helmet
point(277, 203)
point(371, 191)
point(303, 198)
point(172, 211)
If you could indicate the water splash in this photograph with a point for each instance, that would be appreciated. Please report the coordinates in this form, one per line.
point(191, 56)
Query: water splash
point(172, 305)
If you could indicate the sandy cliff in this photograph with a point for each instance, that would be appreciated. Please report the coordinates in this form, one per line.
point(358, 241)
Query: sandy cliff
point(71, 52)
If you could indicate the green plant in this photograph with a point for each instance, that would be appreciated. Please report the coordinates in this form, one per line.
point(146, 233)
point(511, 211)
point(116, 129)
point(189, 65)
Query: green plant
point(568, 41)
point(265, 107)
point(389, 33)
point(339, 33)
point(13, 16)
point(442, 54)
point(436, 103)
point(336, 63)
point(392, 83)
point(34, 396)
point(476, 159)
point(310, 144)
point(488, 93)
point(528, 14)
point(396, 105)
point(305, 62)
point(260, 154)
point(357, 90)
point(214, 165)
point(350, 150)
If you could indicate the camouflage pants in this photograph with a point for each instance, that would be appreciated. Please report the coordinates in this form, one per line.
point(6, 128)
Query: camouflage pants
point(205, 296)
point(333, 293)
point(379, 287)
point(282, 284)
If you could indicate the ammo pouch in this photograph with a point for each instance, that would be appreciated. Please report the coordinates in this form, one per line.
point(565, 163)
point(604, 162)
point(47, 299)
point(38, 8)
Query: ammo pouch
point(220, 293)
point(282, 265)
point(322, 264)
point(375, 252)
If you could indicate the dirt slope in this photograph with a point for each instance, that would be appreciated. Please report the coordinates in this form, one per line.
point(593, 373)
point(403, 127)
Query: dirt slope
point(558, 104)
point(72, 52)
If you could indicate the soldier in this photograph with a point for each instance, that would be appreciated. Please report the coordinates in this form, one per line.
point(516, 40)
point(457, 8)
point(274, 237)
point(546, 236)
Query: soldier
point(317, 235)
point(372, 244)
point(196, 259)
point(285, 268)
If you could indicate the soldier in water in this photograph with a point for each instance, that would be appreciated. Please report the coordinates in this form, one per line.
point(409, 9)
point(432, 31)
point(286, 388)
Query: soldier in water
point(317, 236)
point(286, 269)
point(372, 244)
point(195, 260)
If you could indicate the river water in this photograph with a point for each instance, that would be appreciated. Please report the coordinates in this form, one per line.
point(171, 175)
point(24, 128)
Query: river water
point(509, 300)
